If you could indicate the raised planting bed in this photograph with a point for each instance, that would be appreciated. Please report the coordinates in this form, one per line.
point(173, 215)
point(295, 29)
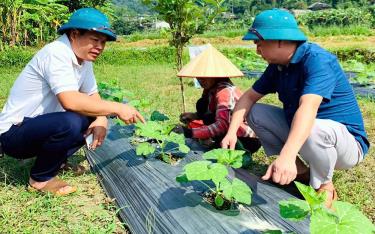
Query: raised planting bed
point(150, 200)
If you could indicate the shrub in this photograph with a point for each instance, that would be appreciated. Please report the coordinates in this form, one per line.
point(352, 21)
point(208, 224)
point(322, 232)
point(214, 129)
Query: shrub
point(362, 55)
point(151, 55)
point(151, 35)
point(355, 30)
point(337, 17)
point(17, 57)
point(244, 58)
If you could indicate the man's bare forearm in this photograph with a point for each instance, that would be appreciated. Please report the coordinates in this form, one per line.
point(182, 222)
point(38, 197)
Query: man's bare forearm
point(87, 105)
point(243, 106)
point(97, 97)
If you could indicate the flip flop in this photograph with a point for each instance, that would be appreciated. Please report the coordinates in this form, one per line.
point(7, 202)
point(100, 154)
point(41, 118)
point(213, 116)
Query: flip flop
point(54, 186)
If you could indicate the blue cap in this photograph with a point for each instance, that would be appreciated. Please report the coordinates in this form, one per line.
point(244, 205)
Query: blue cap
point(89, 19)
point(275, 24)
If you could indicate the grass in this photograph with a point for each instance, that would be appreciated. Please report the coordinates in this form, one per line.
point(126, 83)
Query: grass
point(88, 210)
point(355, 30)
point(21, 211)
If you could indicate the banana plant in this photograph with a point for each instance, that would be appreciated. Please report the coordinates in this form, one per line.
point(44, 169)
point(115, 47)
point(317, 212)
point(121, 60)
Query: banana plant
point(30, 21)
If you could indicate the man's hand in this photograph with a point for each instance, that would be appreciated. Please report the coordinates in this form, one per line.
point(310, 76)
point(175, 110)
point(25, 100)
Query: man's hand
point(188, 117)
point(129, 114)
point(99, 130)
point(282, 171)
point(229, 140)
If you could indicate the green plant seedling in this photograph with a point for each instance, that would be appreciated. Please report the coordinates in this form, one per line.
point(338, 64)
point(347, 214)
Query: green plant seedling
point(113, 92)
point(165, 141)
point(141, 104)
point(233, 158)
point(232, 191)
point(344, 218)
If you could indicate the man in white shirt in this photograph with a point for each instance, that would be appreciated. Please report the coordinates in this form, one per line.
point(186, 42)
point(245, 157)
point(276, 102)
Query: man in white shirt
point(54, 103)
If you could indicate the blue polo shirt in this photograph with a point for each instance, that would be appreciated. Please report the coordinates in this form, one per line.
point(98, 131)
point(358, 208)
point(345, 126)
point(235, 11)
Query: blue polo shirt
point(313, 70)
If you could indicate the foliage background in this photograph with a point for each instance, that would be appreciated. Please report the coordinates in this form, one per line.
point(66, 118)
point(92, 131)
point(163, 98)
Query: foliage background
point(34, 22)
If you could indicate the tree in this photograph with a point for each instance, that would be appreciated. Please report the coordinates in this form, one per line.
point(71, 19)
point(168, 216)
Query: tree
point(77, 4)
point(29, 21)
point(185, 18)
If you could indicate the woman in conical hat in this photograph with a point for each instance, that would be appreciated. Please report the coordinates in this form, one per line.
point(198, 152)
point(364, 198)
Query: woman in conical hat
point(211, 120)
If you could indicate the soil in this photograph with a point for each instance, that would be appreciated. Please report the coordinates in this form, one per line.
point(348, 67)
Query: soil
point(172, 160)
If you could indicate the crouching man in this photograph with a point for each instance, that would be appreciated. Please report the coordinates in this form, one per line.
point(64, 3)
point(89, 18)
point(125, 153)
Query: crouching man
point(320, 118)
point(54, 102)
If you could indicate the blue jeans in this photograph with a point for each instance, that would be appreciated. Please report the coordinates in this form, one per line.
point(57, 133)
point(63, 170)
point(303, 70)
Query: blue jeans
point(51, 138)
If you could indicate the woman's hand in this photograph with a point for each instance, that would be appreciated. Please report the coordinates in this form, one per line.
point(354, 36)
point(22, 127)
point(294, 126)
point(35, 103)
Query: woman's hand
point(188, 117)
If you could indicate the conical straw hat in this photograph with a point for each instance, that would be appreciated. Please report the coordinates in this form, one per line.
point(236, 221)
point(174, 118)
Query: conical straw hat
point(210, 64)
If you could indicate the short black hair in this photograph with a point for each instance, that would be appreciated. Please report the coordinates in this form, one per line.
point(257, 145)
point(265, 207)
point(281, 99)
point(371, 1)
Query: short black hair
point(80, 31)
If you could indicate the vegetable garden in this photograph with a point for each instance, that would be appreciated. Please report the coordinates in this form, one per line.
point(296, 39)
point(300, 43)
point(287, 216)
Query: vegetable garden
point(154, 179)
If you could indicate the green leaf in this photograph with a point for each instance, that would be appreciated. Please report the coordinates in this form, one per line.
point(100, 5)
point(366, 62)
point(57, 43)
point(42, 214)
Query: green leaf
point(217, 172)
point(241, 191)
point(127, 93)
point(212, 154)
point(347, 219)
point(184, 149)
point(272, 232)
point(144, 103)
point(235, 158)
point(157, 116)
point(182, 178)
point(176, 138)
point(149, 129)
point(166, 158)
point(226, 186)
point(294, 209)
point(226, 156)
point(219, 201)
point(167, 128)
point(117, 96)
point(315, 200)
point(145, 149)
point(119, 122)
point(198, 170)
point(134, 103)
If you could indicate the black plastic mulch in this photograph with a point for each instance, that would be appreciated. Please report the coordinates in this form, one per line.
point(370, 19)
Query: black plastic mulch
point(151, 201)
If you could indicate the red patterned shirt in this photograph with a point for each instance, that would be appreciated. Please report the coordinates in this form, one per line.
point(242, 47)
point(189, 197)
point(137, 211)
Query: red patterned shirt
point(221, 100)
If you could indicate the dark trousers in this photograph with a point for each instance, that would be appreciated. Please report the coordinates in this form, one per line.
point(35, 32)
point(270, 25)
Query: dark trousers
point(51, 138)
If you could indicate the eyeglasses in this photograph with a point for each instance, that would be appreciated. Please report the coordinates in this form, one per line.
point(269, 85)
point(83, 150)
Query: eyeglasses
point(103, 28)
point(253, 30)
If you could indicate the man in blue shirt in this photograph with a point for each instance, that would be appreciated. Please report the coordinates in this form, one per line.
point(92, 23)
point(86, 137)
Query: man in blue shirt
point(320, 119)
